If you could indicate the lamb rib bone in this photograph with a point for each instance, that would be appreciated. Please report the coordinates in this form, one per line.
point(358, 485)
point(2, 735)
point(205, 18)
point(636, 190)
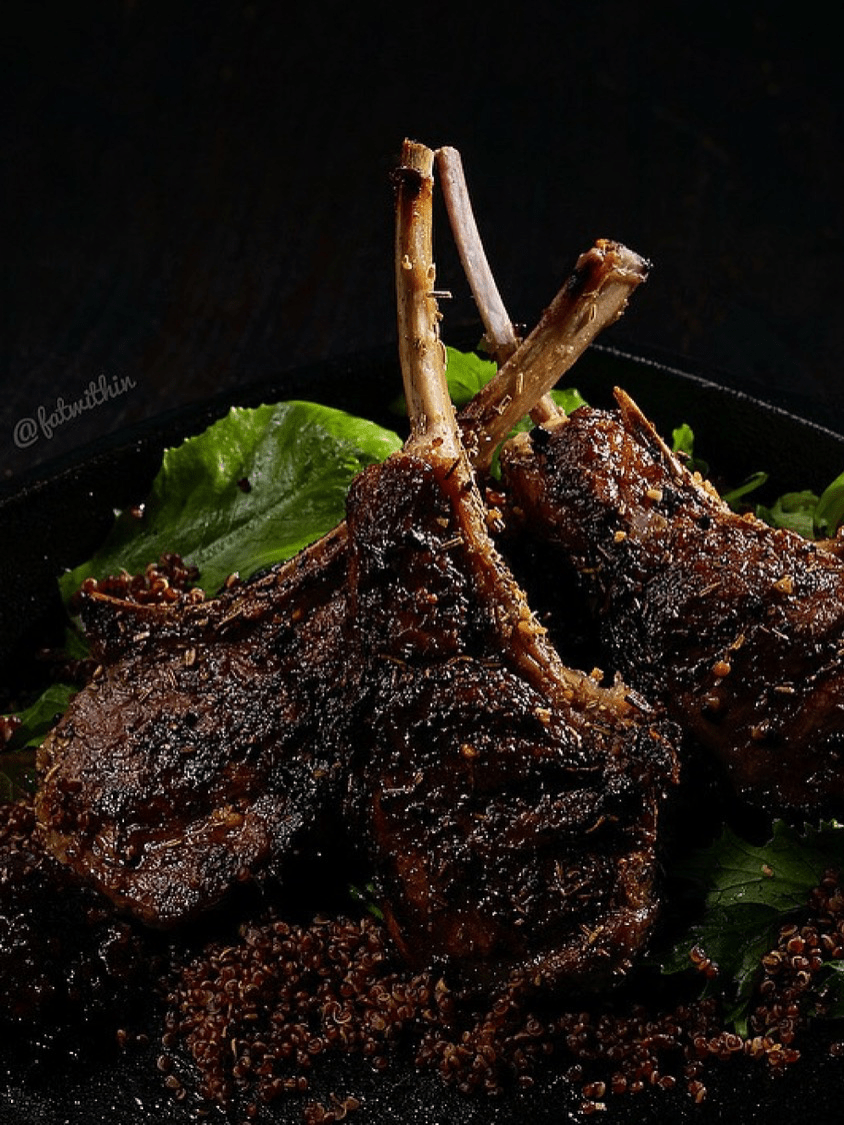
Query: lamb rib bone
point(510, 803)
point(433, 424)
point(593, 297)
point(501, 335)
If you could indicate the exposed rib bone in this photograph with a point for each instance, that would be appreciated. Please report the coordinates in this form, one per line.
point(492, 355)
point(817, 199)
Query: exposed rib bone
point(501, 335)
point(594, 296)
point(430, 413)
point(434, 429)
point(509, 804)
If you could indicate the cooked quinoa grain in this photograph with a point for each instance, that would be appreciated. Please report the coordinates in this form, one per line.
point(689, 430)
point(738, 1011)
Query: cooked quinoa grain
point(255, 1016)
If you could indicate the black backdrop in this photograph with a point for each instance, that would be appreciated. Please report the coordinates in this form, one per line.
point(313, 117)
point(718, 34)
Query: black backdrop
point(197, 197)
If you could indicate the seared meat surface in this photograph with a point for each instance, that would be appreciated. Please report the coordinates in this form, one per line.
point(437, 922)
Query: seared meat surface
point(211, 739)
point(512, 807)
point(510, 803)
point(737, 628)
point(210, 742)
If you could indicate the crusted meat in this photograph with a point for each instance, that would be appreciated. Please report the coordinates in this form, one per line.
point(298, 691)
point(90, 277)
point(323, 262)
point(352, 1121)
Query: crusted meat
point(511, 804)
point(512, 807)
point(210, 742)
point(737, 628)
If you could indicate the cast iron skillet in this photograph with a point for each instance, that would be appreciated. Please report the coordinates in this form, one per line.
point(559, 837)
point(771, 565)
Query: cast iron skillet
point(56, 517)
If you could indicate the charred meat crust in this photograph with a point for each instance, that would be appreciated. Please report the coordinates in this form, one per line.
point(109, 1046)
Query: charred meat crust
point(65, 957)
point(510, 803)
point(515, 836)
point(737, 628)
point(209, 746)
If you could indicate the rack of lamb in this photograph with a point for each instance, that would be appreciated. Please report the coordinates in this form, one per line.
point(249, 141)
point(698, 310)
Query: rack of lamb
point(212, 746)
point(737, 629)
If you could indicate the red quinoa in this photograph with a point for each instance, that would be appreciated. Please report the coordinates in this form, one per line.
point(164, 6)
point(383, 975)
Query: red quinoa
point(257, 1015)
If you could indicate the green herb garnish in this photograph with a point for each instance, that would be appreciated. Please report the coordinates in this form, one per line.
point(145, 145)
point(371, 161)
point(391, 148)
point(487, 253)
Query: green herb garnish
point(261, 484)
point(252, 490)
point(37, 719)
point(747, 893)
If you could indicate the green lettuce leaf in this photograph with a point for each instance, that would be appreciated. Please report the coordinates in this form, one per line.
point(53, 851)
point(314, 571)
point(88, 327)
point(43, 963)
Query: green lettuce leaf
point(833, 1007)
point(250, 491)
point(17, 775)
point(793, 510)
point(17, 757)
point(468, 372)
point(829, 512)
point(683, 442)
point(37, 719)
point(734, 495)
point(812, 516)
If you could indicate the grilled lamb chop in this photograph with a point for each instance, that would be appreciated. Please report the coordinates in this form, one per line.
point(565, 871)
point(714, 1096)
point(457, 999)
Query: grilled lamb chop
point(702, 610)
point(738, 628)
point(212, 740)
point(511, 804)
point(208, 745)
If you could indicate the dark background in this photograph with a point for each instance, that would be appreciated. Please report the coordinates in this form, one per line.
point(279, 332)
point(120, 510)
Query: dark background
point(197, 195)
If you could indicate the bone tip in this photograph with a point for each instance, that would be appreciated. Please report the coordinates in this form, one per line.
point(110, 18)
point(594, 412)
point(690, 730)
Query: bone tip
point(415, 163)
point(610, 257)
